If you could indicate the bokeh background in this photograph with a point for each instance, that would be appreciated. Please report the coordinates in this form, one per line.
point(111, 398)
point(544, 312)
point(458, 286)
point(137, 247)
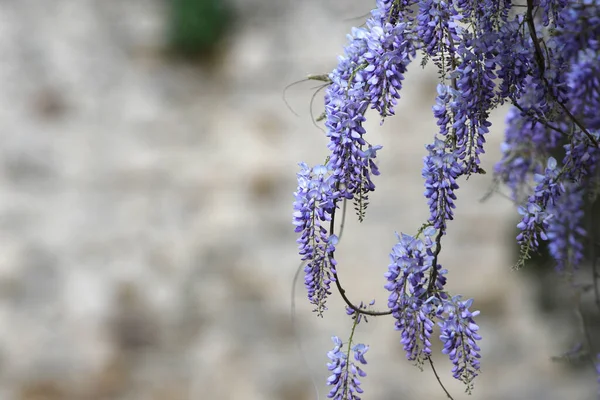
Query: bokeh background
point(147, 165)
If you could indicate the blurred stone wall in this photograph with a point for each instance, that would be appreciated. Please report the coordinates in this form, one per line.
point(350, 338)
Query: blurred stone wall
point(146, 245)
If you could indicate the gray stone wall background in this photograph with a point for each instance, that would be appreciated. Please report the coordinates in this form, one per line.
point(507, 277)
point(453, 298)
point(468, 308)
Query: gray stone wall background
point(146, 245)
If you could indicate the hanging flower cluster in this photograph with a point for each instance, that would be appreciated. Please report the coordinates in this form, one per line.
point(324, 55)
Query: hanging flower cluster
point(542, 58)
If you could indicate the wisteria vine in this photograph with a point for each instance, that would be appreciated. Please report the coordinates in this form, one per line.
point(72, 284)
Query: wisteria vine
point(540, 56)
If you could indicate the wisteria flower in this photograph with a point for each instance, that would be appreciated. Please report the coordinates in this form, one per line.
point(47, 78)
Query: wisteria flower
point(345, 374)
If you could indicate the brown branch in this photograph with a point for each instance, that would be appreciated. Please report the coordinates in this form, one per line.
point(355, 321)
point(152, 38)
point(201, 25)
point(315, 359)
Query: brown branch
point(438, 378)
point(434, 272)
point(538, 119)
point(339, 285)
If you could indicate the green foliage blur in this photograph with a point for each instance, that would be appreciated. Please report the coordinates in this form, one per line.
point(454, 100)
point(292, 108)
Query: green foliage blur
point(197, 26)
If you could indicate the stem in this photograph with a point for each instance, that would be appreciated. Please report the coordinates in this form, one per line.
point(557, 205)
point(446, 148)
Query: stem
point(434, 272)
point(339, 285)
point(541, 121)
point(348, 353)
point(438, 378)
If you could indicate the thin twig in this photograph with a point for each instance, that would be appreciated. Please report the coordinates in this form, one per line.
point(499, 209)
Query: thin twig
point(343, 223)
point(285, 90)
point(433, 276)
point(538, 119)
point(438, 378)
point(339, 285)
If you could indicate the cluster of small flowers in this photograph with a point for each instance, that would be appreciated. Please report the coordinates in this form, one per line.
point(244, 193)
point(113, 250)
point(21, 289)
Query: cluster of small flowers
point(459, 335)
point(488, 52)
point(440, 172)
point(562, 97)
point(416, 306)
point(344, 373)
point(410, 259)
point(313, 207)
point(535, 222)
point(369, 74)
point(525, 151)
point(565, 233)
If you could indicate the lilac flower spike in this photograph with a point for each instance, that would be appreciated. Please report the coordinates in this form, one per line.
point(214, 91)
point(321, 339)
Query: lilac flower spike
point(535, 222)
point(313, 207)
point(440, 172)
point(525, 151)
point(541, 57)
point(565, 230)
point(369, 74)
point(474, 97)
point(389, 51)
point(459, 336)
point(344, 373)
point(408, 284)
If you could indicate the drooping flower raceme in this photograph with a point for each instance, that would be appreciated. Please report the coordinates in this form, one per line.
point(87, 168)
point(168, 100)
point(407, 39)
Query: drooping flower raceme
point(581, 157)
point(345, 374)
point(565, 229)
point(542, 57)
point(535, 222)
point(389, 51)
point(410, 298)
point(459, 336)
point(437, 26)
point(416, 305)
point(369, 74)
point(440, 172)
point(313, 207)
point(475, 93)
point(525, 151)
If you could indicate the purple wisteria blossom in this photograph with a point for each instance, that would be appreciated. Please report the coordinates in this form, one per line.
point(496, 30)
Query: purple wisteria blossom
point(524, 152)
point(313, 207)
point(551, 10)
point(535, 222)
point(474, 97)
point(345, 374)
point(437, 26)
point(565, 230)
point(541, 57)
point(484, 15)
point(416, 306)
point(584, 85)
point(579, 29)
point(459, 336)
point(441, 109)
point(389, 51)
point(370, 74)
point(410, 259)
point(440, 172)
point(582, 156)
point(515, 60)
